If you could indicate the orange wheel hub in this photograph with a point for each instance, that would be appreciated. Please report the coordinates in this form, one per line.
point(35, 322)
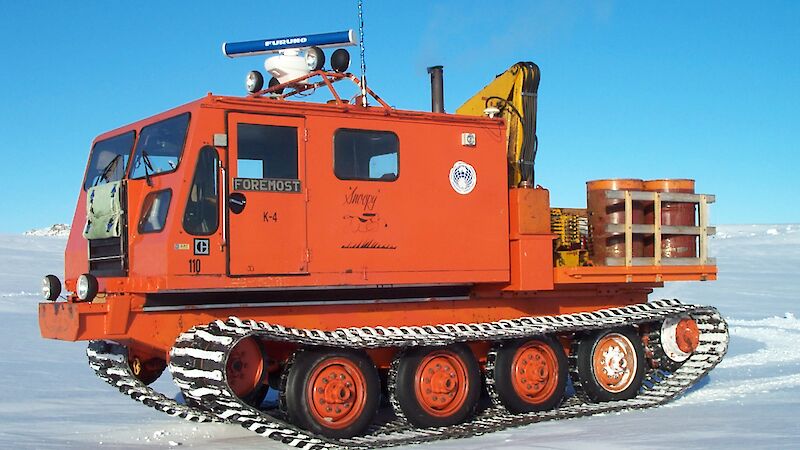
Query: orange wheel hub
point(245, 367)
point(336, 393)
point(534, 372)
point(441, 383)
point(687, 335)
point(614, 362)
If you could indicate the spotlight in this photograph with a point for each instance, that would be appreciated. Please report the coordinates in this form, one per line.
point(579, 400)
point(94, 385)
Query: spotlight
point(274, 82)
point(315, 58)
point(340, 60)
point(254, 81)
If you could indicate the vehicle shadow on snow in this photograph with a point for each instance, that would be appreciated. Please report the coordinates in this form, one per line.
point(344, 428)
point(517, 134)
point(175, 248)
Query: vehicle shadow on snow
point(699, 384)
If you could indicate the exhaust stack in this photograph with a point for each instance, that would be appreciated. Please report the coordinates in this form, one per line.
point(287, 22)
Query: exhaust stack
point(437, 88)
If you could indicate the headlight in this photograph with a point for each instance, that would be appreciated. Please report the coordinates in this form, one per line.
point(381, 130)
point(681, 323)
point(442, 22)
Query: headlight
point(51, 287)
point(87, 287)
point(315, 58)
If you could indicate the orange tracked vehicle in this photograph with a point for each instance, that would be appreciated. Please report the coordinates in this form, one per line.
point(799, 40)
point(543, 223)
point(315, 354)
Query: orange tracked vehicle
point(393, 276)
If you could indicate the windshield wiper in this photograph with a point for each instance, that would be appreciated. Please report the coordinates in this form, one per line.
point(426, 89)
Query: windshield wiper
point(148, 167)
point(107, 170)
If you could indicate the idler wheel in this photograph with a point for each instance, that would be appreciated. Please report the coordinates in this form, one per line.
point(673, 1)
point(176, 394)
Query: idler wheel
point(245, 371)
point(530, 375)
point(145, 366)
point(438, 387)
point(680, 336)
point(331, 392)
point(611, 364)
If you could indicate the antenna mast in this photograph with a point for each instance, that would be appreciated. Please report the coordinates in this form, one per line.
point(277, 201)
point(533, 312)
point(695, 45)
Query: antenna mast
point(361, 46)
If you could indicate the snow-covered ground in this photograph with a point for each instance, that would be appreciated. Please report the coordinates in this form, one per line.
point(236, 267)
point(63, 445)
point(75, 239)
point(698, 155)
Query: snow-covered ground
point(49, 398)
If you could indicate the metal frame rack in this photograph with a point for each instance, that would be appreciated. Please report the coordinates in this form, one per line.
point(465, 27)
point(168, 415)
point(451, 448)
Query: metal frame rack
point(702, 230)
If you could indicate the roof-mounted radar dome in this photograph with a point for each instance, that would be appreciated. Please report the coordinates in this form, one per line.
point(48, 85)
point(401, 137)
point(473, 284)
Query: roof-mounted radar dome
point(297, 55)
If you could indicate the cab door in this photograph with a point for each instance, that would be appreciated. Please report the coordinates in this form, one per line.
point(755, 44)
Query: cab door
point(266, 205)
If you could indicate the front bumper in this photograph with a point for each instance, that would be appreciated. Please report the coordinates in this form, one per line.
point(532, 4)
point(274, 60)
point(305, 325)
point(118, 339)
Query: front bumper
point(73, 321)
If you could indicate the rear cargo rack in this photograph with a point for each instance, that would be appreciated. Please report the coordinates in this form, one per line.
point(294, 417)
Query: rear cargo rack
point(657, 230)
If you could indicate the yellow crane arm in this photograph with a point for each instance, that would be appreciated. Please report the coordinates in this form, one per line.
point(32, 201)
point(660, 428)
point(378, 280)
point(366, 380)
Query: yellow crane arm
point(513, 93)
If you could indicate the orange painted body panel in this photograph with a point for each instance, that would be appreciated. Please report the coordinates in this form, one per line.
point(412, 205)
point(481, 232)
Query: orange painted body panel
point(529, 211)
point(532, 263)
point(75, 256)
point(531, 243)
point(430, 233)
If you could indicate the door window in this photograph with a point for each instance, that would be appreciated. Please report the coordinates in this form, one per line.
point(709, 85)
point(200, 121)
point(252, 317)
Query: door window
point(266, 151)
point(154, 211)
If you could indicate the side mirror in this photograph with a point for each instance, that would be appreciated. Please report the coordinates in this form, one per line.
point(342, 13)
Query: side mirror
point(237, 201)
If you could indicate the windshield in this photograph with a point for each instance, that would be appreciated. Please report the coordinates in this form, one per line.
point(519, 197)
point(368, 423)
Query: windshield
point(109, 159)
point(159, 147)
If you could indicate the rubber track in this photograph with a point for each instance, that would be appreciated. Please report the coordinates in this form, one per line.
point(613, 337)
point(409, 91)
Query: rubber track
point(110, 362)
point(198, 362)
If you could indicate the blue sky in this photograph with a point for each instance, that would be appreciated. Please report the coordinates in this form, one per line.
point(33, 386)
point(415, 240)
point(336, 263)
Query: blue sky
point(705, 90)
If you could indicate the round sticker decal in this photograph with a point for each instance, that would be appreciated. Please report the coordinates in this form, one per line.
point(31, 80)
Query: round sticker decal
point(463, 177)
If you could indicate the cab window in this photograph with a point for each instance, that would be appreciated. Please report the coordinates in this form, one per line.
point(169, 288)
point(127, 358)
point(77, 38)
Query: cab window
point(109, 160)
point(159, 147)
point(365, 155)
point(201, 215)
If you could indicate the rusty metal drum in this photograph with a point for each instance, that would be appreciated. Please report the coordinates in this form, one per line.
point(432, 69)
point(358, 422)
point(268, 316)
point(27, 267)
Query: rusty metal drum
point(677, 214)
point(603, 211)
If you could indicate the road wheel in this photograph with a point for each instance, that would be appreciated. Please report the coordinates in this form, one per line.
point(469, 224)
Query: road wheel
point(530, 375)
point(331, 392)
point(245, 371)
point(437, 387)
point(611, 364)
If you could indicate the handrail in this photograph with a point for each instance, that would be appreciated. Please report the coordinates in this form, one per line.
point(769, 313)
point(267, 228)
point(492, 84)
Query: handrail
point(328, 78)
